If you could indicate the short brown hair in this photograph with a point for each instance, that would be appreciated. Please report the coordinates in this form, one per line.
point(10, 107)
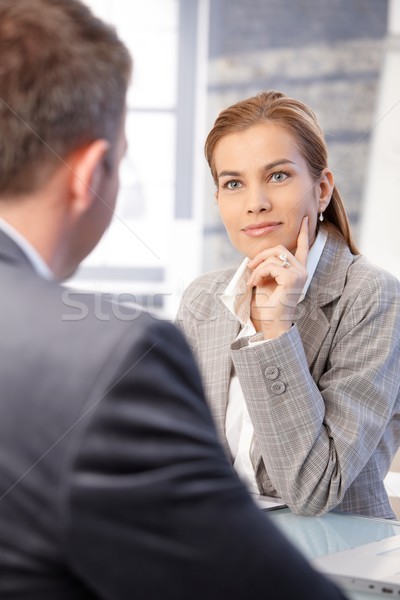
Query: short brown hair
point(302, 123)
point(63, 80)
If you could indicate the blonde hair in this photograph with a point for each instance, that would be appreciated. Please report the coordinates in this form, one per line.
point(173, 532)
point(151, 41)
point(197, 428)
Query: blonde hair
point(302, 123)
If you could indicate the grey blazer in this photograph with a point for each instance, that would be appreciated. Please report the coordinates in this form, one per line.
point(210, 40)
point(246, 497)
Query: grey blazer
point(324, 397)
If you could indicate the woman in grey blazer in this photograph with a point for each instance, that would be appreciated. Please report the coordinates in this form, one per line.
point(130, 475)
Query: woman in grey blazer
point(299, 347)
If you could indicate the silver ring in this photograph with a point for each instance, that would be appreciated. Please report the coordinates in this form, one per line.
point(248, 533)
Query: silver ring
point(285, 263)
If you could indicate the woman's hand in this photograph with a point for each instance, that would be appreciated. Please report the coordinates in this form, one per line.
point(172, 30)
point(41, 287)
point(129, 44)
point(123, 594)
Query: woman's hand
point(277, 281)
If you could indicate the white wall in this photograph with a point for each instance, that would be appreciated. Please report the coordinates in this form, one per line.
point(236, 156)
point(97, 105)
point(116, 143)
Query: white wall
point(380, 226)
point(152, 249)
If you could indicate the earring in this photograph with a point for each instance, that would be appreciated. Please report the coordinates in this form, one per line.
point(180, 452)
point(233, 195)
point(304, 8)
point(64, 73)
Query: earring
point(321, 216)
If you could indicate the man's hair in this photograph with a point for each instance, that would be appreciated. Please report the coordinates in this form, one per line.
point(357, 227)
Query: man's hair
point(63, 80)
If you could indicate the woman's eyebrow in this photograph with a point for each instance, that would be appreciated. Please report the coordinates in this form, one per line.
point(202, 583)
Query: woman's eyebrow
point(267, 167)
point(229, 174)
point(277, 163)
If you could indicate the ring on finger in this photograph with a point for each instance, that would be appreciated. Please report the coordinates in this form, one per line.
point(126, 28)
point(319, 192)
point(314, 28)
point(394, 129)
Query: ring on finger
point(285, 263)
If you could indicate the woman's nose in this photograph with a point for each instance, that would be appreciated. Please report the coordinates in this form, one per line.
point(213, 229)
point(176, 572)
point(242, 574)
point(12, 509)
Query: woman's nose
point(258, 201)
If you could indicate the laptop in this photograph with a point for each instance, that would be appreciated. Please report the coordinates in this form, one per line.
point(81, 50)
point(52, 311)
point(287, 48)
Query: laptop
point(373, 567)
point(268, 502)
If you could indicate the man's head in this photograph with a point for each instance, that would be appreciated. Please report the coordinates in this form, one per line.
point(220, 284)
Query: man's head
point(63, 81)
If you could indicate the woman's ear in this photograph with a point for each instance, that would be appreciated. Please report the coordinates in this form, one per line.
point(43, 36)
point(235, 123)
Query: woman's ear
point(325, 185)
point(87, 172)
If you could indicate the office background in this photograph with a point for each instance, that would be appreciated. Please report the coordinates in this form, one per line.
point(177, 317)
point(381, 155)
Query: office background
point(195, 57)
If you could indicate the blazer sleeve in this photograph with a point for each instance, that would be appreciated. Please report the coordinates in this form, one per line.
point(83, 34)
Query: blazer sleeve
point(152, 509)
point(315, 438)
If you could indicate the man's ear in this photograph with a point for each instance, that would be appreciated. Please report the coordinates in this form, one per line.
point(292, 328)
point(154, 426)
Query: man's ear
point(86, 173)
point(326, 185)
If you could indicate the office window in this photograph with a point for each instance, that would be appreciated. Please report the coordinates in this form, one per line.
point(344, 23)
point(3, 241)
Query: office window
point(159, 206)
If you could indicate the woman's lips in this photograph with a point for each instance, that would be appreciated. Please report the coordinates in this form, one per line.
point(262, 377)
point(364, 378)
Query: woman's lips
point(258, 229)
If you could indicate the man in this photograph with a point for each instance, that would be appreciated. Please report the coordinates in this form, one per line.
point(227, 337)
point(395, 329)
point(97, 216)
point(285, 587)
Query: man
point(112, 483)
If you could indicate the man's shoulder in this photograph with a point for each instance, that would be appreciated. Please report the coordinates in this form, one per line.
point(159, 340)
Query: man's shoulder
point(74, 322)
point(105, 315)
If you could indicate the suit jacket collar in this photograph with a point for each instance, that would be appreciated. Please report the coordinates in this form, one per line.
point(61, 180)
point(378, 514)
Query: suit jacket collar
point(10, 252)
point(331, 273)
point(326, 287)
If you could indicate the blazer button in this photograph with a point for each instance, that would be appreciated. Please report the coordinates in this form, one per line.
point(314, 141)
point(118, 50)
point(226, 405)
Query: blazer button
point(278, 387)
point(271, 372)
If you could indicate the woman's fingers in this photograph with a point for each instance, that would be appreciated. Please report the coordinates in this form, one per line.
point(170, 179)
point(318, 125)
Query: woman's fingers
point(303, 244)
point(267, 271)
point(271, 253)
point(300, 255)
point(284, 269)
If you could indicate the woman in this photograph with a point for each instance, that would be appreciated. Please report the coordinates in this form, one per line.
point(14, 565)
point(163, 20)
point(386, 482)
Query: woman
point(300, 346)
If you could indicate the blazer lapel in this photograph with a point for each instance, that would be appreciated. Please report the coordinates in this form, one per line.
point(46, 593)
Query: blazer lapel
point(214, 341)
point(313, 327)
point(326, 287)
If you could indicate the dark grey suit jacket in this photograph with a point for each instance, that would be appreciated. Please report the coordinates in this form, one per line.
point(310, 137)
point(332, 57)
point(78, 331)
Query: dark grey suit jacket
point(112, 482)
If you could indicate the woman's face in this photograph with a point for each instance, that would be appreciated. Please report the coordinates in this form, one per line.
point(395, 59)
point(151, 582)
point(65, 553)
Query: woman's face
point(265, 188)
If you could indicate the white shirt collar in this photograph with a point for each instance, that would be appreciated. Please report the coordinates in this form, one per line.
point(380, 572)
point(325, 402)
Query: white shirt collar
point(237, 295)
point(30, 252)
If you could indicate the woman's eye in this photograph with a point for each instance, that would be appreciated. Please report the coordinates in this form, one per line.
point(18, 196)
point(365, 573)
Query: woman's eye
point(279, 176)
point(232, 185)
